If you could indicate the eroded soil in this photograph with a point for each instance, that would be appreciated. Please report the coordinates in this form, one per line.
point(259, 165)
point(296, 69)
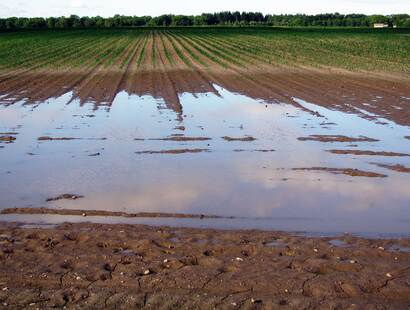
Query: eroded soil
point(101, 212)
point(174, 151)
point(345, 171)
point(396, 167)
point(336, 138)
point(119, 267)
point(367, 153)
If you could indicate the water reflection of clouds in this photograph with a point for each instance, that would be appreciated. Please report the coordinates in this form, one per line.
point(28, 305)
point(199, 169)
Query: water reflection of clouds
point(222, 182)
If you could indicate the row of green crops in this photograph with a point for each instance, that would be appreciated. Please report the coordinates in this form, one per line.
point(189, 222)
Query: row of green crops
point(351, 49)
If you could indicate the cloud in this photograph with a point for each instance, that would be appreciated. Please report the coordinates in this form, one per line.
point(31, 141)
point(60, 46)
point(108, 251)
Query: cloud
point(12, 10)
point(78, 4)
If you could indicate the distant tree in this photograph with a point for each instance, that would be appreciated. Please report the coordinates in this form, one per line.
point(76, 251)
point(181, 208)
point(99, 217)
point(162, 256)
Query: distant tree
point(406, 23)
point(61, 23)
point(51, 22)
point(87, 22)
point(209, 19)
point(199, 20)
point(226, 18)
point(182, 20)
point(99, 22)
point(163, 20)
point(74, 21)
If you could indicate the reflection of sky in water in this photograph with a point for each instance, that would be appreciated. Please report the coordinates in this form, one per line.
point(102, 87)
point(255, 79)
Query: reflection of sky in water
point(223, 182)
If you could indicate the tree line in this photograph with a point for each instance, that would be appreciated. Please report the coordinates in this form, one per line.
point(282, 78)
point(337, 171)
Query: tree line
point(207, 19)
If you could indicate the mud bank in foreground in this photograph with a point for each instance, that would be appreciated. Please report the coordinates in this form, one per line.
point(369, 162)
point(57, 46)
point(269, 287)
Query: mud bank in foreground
point(135, 266)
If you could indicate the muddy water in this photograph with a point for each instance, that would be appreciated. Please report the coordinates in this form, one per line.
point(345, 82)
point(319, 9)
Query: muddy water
point(226, 155)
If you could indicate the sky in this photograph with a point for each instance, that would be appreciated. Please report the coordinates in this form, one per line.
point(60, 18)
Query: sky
point(105, 8)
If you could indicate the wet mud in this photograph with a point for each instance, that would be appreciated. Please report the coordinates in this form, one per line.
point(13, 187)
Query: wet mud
point(65, 196)
point(336, 138)
point(122, 266)
point(397, 167)
point(367, 153)
point(181, 139)
point(46, 138)
point(100, 212)
point(174, 151)
point(347, 93)
point(243, 139)
point(7, 139)
point(345, 171)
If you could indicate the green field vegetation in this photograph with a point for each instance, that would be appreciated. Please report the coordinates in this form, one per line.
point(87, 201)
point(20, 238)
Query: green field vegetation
point(386, 50)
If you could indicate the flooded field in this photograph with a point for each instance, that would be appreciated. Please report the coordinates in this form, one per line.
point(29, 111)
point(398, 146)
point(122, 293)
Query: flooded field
point(168, 168)
point(231, 159)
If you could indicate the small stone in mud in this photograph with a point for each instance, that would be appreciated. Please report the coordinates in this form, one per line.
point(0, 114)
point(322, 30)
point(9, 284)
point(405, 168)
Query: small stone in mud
point(65, 196)
point(108, 267)
point(147, 272)
point(256, 301)
point(182, 128)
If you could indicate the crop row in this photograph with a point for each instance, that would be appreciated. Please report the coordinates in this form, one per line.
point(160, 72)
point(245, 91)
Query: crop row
point(204, 48)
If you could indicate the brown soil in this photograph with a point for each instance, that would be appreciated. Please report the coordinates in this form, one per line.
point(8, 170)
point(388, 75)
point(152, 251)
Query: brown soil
point(397, 167)
point(175, 151)
point(129, 267)
point(46, 138)
point(260, 151)
point(9, 133)
point(7, 139)
point(369, 153)
point(65, 197)
point(346, 171)
point(178, 139)
point(100, 212)
point(336, 138)
point(335, 90)
point(244, 139)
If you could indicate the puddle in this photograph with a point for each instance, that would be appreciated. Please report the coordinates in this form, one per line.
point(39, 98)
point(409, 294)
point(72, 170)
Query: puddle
point(338, 243)
point(275, 244)
point(398, 248)
point(38, 226)
point(221, 153)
